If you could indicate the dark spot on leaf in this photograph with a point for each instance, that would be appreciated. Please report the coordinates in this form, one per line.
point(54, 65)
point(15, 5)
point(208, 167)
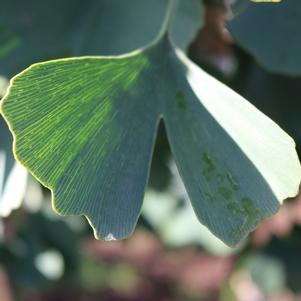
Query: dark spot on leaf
point(210, 169)
point(249, 212)
point(220, 178)
point(234, 185)
point(209, 197)
point(225, 192)
point(181, 101)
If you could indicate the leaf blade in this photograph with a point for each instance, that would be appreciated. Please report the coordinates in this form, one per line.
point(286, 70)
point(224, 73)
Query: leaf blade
point(212, 130)
point(241, 164)
point(91, 112)
point(264, 39)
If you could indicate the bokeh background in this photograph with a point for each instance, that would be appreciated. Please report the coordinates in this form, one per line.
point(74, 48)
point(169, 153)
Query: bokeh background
point(170, 257)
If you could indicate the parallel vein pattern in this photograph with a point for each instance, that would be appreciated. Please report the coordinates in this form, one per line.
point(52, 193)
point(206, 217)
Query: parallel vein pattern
point(85, 127)
point(69, 118)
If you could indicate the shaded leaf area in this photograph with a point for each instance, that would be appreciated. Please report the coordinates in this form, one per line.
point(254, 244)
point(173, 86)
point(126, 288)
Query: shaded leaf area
point(90, 139)
point(30, 33)
point(270, 32)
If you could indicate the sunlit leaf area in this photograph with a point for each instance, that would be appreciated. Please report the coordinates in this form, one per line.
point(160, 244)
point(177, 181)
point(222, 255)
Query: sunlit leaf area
point(149, 150)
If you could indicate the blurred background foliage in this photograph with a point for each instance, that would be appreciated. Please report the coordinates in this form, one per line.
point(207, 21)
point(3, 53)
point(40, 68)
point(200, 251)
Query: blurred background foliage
point(170, 257)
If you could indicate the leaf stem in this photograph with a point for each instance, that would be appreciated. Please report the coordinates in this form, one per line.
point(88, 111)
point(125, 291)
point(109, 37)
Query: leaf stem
point(168, 19)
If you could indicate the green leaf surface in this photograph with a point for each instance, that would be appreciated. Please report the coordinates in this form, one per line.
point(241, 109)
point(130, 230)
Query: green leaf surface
point(85, 127)
point(271, 33)
point(29, 33)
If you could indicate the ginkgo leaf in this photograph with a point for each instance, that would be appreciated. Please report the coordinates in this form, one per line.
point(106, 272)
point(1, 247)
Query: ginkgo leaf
point(270, 32)
point(85, 128)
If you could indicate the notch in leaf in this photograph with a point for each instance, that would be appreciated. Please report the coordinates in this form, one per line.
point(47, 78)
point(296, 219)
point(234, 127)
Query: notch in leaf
point(85, 127)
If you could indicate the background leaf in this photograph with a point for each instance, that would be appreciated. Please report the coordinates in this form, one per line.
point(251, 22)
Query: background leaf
point(270, 32)
point(30, 33)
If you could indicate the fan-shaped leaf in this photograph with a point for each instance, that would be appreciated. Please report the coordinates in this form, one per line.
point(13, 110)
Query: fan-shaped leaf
point(85, 128)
